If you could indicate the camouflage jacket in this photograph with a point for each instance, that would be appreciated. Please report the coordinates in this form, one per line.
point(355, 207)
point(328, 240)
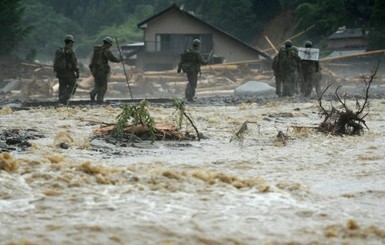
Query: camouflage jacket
point(100, 58)
point(310, 66)
point(288, 59)
point(69, 63)
point(191, 61)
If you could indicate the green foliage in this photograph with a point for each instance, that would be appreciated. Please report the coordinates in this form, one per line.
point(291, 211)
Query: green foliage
point(328, 16)
point(31, 55)
point(377, 22)
point(180, 111)
point(90, 21)
point(126, 32)
point(233, 16)
point(12, 32)
point(49, 29)
point(137, 115)
point(331, 14)
point(265, 10)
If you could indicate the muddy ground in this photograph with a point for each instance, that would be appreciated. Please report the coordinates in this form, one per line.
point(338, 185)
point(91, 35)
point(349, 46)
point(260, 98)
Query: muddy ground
point(59, 184)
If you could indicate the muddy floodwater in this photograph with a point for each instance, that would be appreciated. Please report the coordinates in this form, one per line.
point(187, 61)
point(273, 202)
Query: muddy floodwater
point(311, 188)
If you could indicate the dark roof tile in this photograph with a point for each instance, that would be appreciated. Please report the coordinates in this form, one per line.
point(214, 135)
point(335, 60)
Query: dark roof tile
point(347, 33)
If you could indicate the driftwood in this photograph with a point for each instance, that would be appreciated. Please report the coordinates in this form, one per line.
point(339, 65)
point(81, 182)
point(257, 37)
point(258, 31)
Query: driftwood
point(352, 55)
point(241, 132)
point(11, 85)
point(282, 43)
point(345, 121)
point(216, 67)
point(271, 44)
point(37, 66)
point(281, 137)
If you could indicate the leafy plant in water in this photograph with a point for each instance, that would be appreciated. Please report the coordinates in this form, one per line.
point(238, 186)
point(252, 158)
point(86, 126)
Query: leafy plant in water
point(180, 111)
point(138, 115)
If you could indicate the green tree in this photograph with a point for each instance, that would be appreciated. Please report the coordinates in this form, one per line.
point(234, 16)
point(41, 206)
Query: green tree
point(49, 29)
point(328, 15)
point(127, 32)
point(377, 26)
point(12, 32)
point(235, 17)
point(88, 20)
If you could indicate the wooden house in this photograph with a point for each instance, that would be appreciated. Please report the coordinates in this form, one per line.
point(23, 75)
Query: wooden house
point(345, 38)
point(168, 33)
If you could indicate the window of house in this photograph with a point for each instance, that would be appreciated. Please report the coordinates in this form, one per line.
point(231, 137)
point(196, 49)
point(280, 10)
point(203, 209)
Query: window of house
point(177, 43)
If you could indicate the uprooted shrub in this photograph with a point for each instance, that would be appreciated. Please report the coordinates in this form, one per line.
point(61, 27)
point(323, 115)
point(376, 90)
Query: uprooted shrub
point(346, 121)
point(135, 123)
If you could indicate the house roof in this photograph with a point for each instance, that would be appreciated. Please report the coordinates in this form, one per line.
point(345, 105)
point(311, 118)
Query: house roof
point(344, 32)
point(142, 25)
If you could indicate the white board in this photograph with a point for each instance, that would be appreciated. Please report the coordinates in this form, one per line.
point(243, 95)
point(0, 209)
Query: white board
point(308, 53)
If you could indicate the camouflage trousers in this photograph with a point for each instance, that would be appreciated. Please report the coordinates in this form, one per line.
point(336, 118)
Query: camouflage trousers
point(100, 88)
point(192, 78)
point(308, 81)
point(290, 83)
point(278, 85)
point(66, 87)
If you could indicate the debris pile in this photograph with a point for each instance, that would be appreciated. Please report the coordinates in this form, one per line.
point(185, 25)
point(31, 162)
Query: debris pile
point(135, 124)
point(345, 120)
point(13, 139)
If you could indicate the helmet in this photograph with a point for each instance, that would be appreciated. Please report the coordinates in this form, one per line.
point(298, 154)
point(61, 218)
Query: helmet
point(196, 42)
point(69, 37)
point(308, 44)
point(108, 40)
point(288, 43)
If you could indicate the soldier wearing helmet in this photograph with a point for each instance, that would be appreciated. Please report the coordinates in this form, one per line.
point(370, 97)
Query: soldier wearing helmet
point(69, 37)
point(196, 42)
point(100, 69)
point(311, 75)
point(108, 40)
point(286, 67)
point(288, 43)
point(190, 63)
point(67, 69)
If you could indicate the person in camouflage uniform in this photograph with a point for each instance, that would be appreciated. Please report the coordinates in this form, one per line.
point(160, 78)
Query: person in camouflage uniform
point(100, 69)
point(277, 75)
point(311, 75)
point(190, 63)
point(67, 69)
point(288, 62)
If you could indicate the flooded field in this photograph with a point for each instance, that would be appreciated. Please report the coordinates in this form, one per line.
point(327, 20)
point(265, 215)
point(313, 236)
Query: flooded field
point(311, 188)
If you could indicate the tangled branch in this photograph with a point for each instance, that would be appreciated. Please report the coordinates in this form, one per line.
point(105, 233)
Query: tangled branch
point(345, 120)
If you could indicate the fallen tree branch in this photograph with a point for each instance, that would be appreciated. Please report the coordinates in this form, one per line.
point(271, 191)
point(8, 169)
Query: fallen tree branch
point(240, 133)
point(346, 121)
point(192, 123)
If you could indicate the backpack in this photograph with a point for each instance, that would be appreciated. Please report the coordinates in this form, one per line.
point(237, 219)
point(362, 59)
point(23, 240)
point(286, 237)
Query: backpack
point(60, 62)
point(188, 60)
point(287, 59)
point(97, 58)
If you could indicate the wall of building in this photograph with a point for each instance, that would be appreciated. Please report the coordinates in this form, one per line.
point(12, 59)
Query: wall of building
point(176, 22)
point(345, 43)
